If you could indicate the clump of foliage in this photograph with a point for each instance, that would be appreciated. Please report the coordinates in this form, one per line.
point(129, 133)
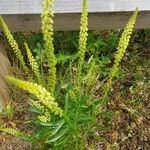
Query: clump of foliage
point(68, 119)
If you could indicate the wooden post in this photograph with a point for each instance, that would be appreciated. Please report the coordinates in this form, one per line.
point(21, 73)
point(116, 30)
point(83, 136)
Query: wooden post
point(4, 70)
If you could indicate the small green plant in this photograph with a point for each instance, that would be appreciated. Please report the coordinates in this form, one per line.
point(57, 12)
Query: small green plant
point(9, 111)
point(68, 119)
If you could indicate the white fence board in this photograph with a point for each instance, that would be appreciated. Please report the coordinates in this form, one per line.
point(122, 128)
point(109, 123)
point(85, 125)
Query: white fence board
point(24, 15)
point(72, 6)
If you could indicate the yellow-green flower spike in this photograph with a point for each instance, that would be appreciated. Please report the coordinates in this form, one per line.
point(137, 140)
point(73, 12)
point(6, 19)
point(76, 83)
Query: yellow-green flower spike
point(16, 133)
point(47, 29)
point(13, 44)
point(40, 92)
point(43, 109)
point(123, 44)
point(82, 39)
point(33, 64)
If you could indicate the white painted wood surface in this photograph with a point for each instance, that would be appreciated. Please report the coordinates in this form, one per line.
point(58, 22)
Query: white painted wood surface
point(72, 6)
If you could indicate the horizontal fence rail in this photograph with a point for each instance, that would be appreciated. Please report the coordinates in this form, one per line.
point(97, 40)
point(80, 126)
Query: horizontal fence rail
point(24, 15)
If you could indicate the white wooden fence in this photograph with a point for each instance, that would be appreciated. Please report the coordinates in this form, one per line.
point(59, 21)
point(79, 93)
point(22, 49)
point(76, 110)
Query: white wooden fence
point(24, 15)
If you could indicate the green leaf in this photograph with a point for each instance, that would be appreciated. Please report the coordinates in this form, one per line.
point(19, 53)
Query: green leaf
point(58, 127)
point(57, 137)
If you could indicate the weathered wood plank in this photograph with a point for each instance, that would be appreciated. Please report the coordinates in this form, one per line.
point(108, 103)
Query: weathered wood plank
point(69, 21)
point(4, 70)
point(72, 6)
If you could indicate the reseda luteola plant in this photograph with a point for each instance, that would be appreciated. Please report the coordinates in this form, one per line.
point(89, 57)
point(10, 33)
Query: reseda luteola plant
point(121, 49)
point(56, 127)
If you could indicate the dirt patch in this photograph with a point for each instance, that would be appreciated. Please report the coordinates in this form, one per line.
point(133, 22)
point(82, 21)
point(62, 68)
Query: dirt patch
point(12, 143)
